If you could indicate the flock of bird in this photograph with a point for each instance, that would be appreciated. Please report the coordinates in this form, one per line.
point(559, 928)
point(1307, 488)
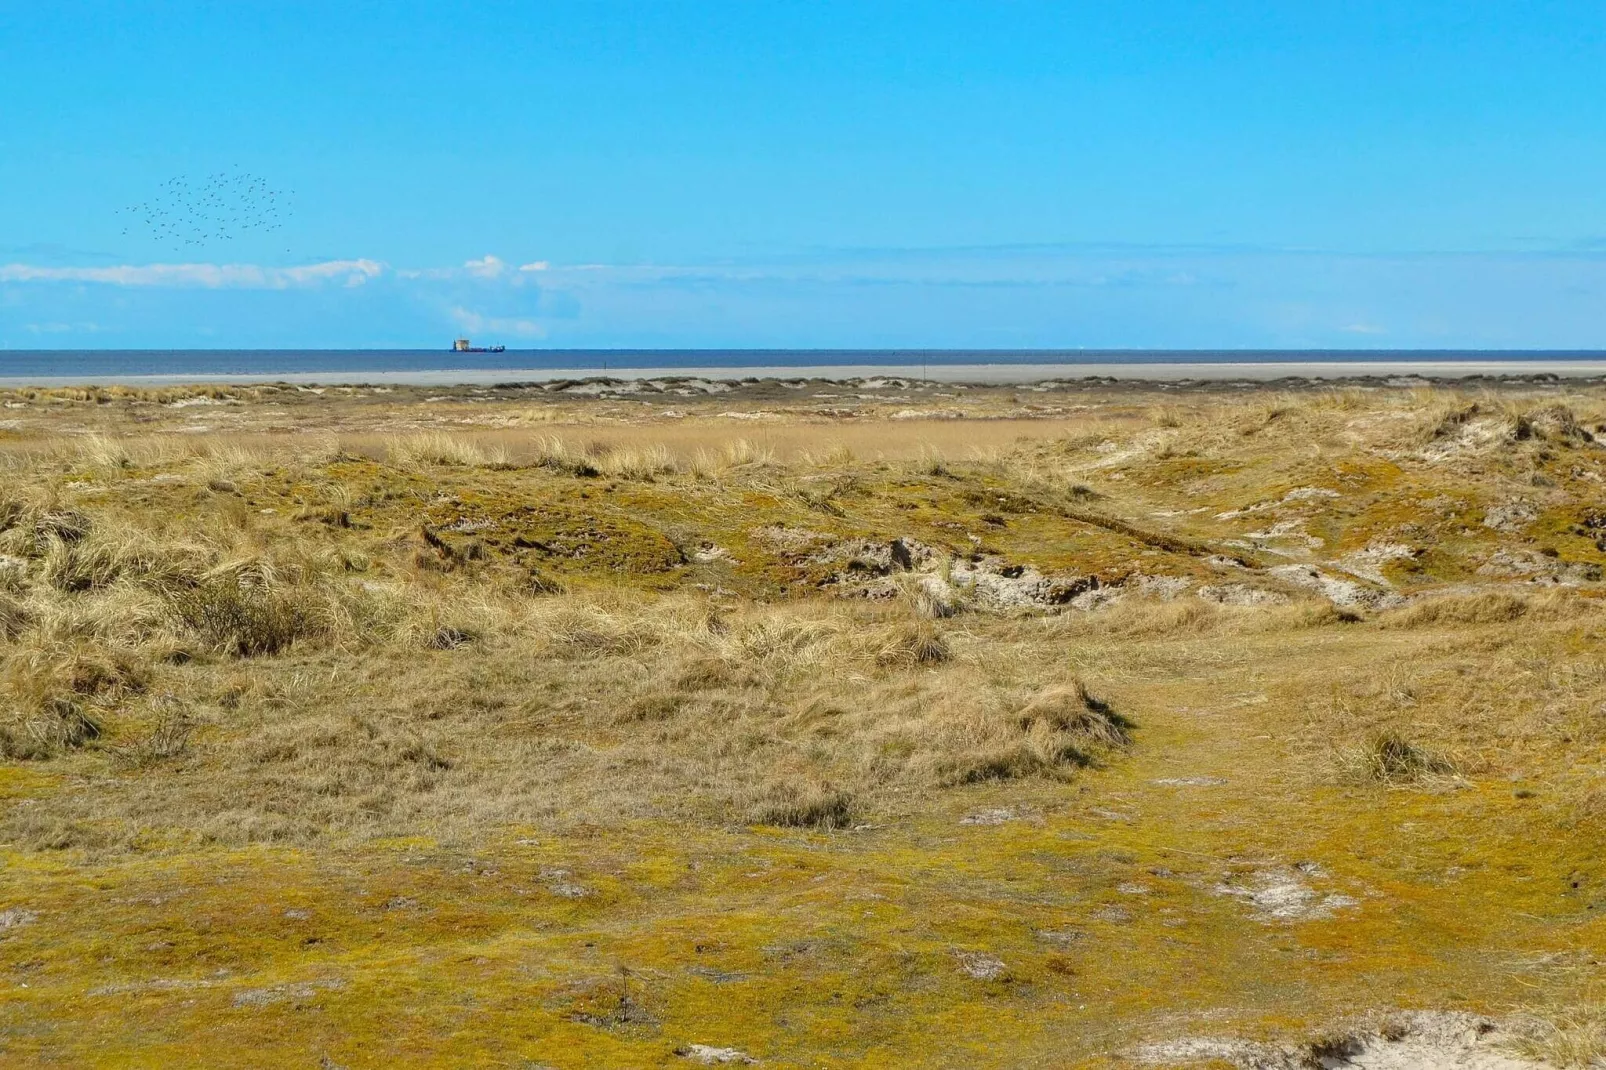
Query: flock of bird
point(222, 207)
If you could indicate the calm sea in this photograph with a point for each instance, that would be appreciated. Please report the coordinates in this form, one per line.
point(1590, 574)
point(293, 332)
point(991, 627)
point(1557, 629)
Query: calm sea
point(112, 364)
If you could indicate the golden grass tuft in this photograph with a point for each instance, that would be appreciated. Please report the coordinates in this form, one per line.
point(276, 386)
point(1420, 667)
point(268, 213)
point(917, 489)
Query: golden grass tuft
point(1389, 757)
point(438, 448)
point(792, 804)
point(911, 645)
point(1487, 607)
point(1054, 733)
point(1572, 1038)
point(55, 696)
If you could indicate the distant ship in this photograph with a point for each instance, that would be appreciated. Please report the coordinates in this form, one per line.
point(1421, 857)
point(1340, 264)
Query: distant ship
point(462, 346)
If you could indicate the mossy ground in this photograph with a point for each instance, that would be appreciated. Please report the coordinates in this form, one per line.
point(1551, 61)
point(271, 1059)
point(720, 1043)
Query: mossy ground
point(406, 908)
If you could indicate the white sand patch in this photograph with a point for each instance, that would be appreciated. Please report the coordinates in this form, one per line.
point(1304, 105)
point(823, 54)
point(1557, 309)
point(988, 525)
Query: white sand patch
point(1539, 568)
point(988, 817)
point(1422, 1040)
point(690, 386)
point(1368, 563)
point(1240, 594)
point(712, 1056)
point(1164, 588)
point(1511, 516)
point(1306, 494)
point(1339, 592)
point(1280, 895)
point(16, 917)
point(982, 966)
point(1292, 530)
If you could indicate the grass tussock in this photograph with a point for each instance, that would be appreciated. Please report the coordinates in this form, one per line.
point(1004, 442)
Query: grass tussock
point(56, 697)
point(912, 645)
point(1390, 757)
point(1572, 1038)
point(1138, 619)
point(1055, 732)
point(247, 621)
point(167, 738)
point(15, 616)
point(29, 529)
point(1485, 607)
point(789, 803)
point(438, 448)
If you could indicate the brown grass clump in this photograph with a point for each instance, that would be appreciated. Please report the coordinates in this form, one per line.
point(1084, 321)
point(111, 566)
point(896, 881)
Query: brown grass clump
point(1552, 423)
point(578, 630)
point(168, 738)
point(1388, 757)
point(560, 456)
point(1072, 710)
point(437, 448)
point(56, 696)
point(912, 644)
point(96, 562)
point(1449, 419)
point(791, 804)
point(14, 616)
point(1059, 730)
point(1486, 607)
point(29, 528)
point(1573, 1038)
point(245, 621)
point(1142, 619)
point(641, 462)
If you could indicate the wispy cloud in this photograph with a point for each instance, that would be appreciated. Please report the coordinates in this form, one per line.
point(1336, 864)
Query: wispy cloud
point(474, 322)
point(61, 328)
point(202, 276)
point(486, 267)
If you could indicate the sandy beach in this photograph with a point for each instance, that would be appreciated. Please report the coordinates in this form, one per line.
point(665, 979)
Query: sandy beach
point(998, 374)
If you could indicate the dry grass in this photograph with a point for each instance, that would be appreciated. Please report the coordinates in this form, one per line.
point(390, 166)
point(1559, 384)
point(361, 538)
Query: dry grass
point(1574, 1038)
point(1390, 758)
point(974, 696)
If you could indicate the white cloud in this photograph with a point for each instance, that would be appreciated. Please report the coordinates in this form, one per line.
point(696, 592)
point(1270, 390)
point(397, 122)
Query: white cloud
point(487, 267)
point(473, 322)
point(1364, 328)
point(205, 276)
point(535, 265)
point(61, 328)
point(354, 272)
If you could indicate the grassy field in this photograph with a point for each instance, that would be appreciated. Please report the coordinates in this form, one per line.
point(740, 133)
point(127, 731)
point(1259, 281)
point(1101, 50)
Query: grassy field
point(812, 724)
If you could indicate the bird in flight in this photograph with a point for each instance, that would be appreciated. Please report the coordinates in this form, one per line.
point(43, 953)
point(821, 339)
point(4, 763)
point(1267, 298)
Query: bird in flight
point(223, 206)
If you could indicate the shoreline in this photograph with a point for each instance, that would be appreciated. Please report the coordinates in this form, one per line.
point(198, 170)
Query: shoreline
point(978, 374)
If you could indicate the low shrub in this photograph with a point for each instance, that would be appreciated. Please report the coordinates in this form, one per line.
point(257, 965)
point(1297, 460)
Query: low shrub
point(245, 621)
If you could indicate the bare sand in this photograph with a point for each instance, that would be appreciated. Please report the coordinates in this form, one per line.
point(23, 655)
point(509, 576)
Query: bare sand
point(945, 373)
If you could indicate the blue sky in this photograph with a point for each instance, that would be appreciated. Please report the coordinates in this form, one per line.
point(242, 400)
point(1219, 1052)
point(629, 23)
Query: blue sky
point(811, 174)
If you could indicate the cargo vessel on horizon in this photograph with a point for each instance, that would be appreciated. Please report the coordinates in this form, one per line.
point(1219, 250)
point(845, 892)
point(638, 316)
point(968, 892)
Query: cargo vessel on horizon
point(462, 345)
